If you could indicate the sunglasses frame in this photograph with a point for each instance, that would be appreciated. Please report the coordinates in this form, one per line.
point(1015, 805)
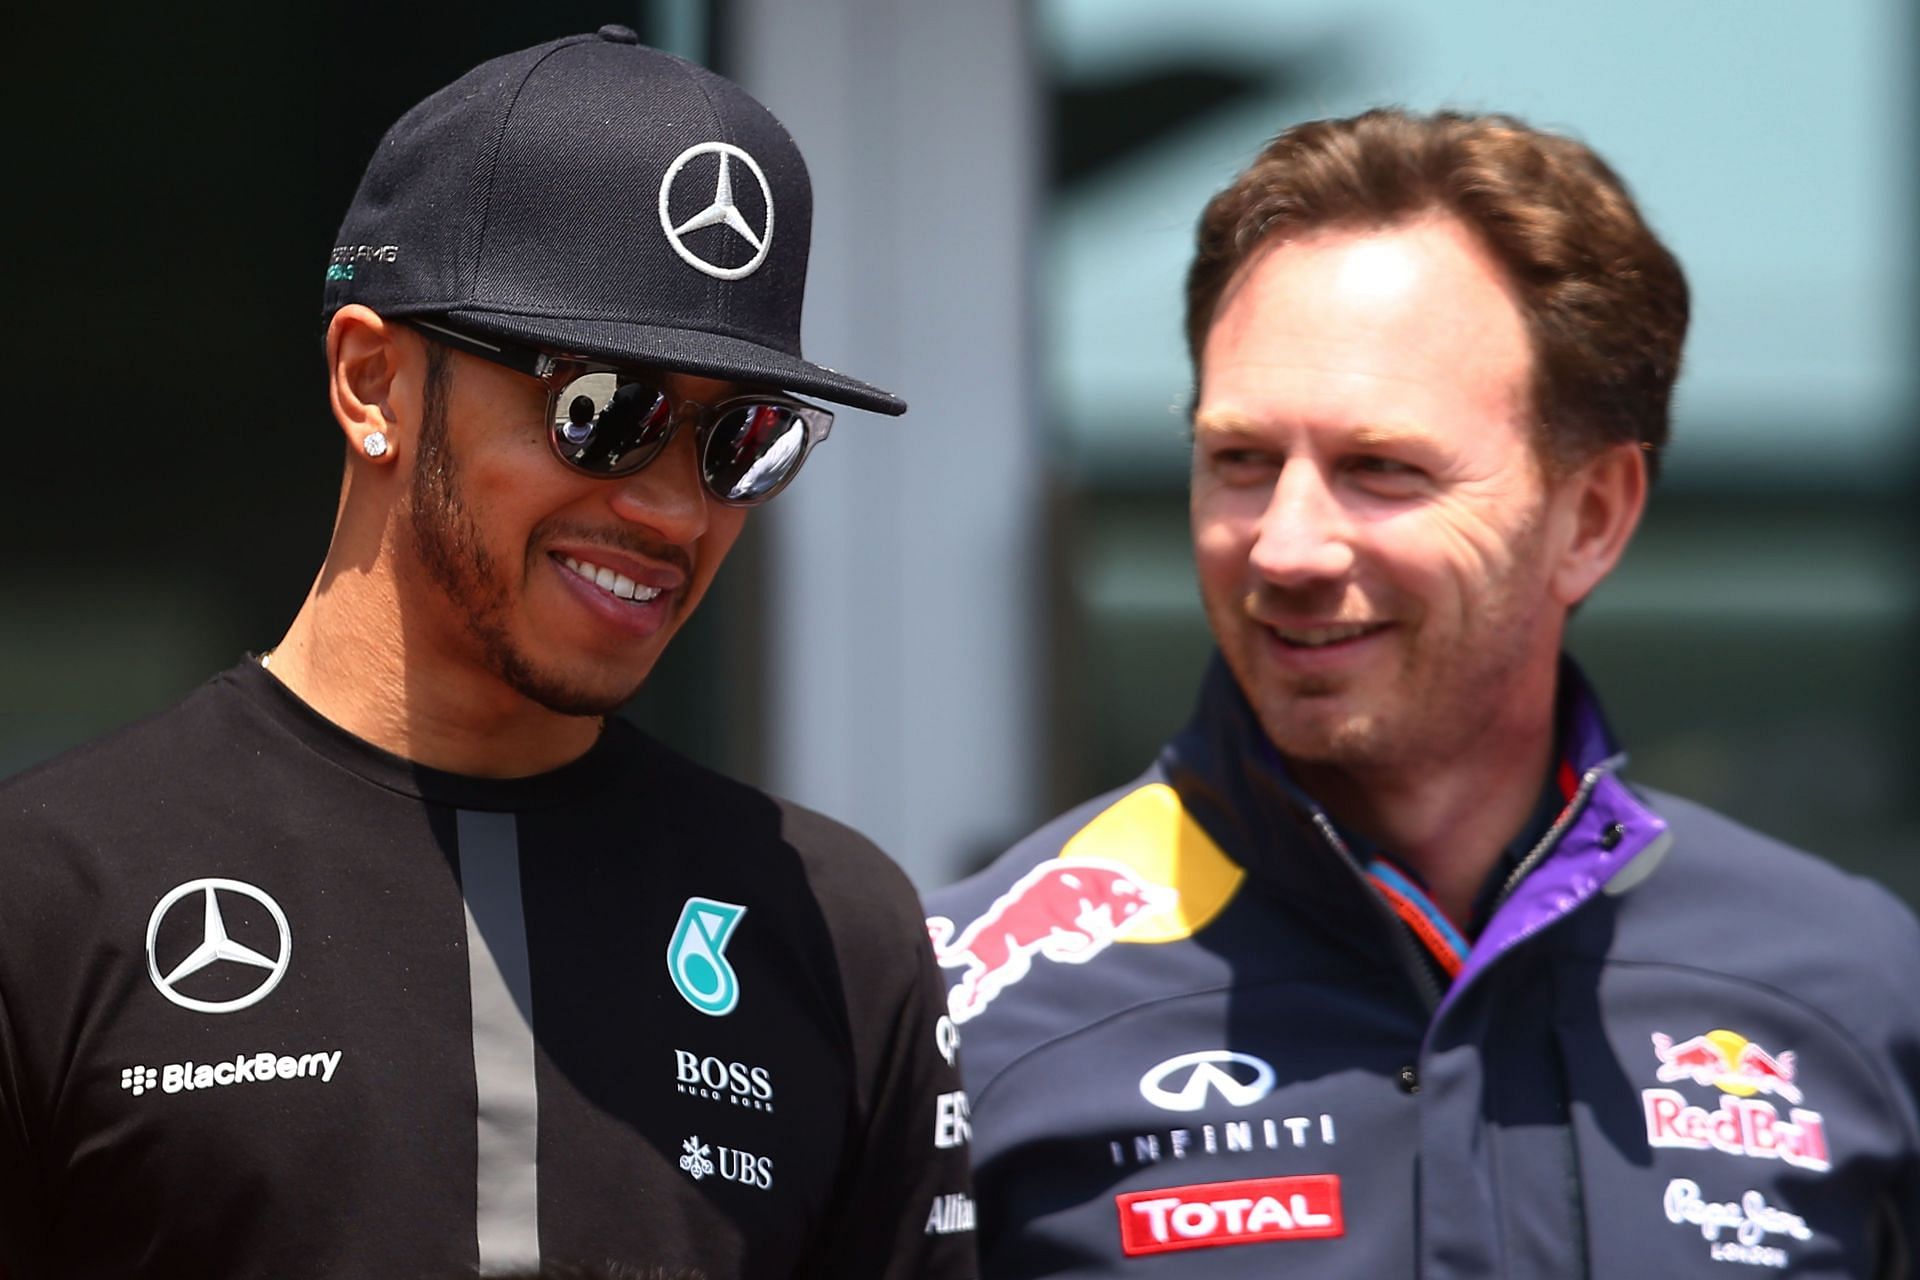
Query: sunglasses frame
point(556, 370)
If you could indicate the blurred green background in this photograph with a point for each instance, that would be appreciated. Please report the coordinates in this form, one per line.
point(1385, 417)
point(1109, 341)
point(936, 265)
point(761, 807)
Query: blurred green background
point(179, 176)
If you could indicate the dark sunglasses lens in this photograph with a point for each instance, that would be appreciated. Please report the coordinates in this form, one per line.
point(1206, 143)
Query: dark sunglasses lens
point(610, 427)
point(752, 450)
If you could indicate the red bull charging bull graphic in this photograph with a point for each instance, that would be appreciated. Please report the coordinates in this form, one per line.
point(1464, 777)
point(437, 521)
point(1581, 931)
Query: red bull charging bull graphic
point(1744, 1123)
point(1067, 911)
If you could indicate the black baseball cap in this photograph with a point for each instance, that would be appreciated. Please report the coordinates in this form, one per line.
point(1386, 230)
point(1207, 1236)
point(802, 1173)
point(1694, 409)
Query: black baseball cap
point(598, 197)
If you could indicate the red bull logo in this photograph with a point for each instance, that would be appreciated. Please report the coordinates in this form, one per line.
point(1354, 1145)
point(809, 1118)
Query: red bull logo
point(1729, 1062)
point(1067, 911)
point(1744, 1124)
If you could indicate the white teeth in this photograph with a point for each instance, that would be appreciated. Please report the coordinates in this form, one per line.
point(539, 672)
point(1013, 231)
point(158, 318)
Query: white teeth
point(607, 580)
point(1314, 637)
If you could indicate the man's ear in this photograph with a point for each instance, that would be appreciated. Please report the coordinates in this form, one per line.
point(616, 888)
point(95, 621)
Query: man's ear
point(1600, 502)
point(372, 380)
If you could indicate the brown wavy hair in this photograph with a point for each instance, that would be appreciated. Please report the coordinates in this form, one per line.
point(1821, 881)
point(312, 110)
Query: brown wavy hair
point(1604, 300)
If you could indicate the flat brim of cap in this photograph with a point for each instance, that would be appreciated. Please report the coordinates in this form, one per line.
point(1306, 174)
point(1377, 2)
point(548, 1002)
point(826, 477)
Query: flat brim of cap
point(710, 355)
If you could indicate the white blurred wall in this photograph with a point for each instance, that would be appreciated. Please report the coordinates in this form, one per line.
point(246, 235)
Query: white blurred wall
point(903, 638)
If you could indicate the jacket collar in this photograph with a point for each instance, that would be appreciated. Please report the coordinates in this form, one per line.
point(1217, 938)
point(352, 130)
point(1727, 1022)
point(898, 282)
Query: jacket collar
point(1232, 779)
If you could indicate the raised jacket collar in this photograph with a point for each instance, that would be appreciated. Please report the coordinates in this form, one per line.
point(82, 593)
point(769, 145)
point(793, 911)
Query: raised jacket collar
point(1235, 783)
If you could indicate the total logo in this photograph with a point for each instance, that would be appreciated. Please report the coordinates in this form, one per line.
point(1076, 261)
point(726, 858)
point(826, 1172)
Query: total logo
point(1744, 1124)
point(699, 1161)
point(1748, 1221)
point(718, 1080)
point(1066, 910)
point(1213, 1214)
point(248, 1068)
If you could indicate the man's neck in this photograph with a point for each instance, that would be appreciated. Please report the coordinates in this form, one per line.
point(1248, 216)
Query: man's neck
point(347, 655)
point(1448, 825)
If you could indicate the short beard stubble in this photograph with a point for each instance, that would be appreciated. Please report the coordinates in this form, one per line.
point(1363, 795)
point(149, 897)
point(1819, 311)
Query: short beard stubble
point(448, 543)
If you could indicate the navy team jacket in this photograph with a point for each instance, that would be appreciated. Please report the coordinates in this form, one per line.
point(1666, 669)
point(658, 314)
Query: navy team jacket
point(1203, 1038)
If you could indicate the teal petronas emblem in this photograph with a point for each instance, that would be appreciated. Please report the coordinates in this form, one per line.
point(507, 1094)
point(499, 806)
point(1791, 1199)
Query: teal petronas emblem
point(696, 958)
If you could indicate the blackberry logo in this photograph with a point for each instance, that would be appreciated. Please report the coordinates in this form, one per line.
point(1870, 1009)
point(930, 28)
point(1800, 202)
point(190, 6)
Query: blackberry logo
point(247, 1068)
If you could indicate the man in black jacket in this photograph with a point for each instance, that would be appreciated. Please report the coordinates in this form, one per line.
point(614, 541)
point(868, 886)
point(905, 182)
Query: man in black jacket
point(1382, 969)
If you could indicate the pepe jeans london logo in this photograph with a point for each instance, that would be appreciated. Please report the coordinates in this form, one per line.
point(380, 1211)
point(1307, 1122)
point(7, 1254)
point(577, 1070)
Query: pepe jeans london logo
point(722, 211)
point(249, 970)
point(1750, 1225)
point(696, 958)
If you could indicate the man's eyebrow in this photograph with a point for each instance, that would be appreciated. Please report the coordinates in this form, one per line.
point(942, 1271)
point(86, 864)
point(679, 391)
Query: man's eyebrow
point(1387, 435)
point(1224, 424)
point(1377, 435)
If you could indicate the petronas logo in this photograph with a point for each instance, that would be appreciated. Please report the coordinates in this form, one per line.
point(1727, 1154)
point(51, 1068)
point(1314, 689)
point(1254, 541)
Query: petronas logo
point(696, 958)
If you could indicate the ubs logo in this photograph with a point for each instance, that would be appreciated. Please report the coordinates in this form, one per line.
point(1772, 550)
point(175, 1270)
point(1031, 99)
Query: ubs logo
point(743, 1167)
point(1183, 1083)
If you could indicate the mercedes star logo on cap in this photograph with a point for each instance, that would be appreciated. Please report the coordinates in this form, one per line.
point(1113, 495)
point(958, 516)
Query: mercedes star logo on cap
point(722, 211)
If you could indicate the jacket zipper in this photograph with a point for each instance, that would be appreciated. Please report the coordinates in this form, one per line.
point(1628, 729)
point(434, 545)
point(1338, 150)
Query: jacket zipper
point(1575, 806)
point(1413, 953)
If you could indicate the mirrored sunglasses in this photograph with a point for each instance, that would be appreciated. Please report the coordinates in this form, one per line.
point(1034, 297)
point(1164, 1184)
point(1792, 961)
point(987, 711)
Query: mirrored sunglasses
point(607, 421)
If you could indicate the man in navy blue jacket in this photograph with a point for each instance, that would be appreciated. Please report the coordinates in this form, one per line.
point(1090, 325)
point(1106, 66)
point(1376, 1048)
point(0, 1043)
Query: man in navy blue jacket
point(1382, 968)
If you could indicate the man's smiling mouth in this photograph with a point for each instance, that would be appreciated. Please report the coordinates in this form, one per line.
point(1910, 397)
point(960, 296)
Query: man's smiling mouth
point(1320, 637)
point(616, 584)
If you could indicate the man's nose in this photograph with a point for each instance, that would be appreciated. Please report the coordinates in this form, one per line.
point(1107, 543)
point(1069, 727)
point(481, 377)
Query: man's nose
point(1305, 534)
point(666, 496)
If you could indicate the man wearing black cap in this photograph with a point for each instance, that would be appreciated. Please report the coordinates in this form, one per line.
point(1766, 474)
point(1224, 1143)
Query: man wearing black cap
point(388, 953)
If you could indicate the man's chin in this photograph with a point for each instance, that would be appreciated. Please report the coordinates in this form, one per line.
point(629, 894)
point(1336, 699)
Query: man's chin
point(563, 694)
point(1327, 736)
point(570, 702)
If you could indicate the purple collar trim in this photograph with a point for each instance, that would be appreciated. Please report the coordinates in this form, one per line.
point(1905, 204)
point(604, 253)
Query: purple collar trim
point(1610, 830)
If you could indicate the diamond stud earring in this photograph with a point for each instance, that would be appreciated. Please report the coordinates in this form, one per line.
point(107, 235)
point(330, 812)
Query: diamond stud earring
point(375, 444)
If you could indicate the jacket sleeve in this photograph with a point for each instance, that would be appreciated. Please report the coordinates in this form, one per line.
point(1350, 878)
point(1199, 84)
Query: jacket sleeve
point(903, 1198)
point(19, 1189)
point(1893, 939)
point(906, 1208)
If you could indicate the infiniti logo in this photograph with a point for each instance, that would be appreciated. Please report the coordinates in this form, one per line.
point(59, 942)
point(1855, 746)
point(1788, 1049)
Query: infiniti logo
point(1183, 1083)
